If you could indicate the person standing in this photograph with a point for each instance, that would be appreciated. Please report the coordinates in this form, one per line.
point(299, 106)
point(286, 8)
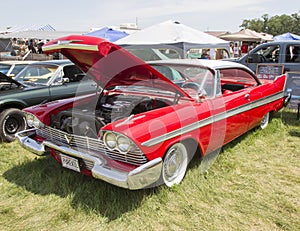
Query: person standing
point(31, 46)
point(244, 48)
point(236, 50)
point(39, 46)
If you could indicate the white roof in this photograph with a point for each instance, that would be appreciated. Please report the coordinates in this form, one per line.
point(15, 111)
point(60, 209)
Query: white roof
point(213, 64)
point(169, 32)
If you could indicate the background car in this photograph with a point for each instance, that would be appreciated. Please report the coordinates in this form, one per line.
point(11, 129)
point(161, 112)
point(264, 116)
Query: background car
point(285, 53)
point(11, 68)
point(38, 82)
point(143, 129)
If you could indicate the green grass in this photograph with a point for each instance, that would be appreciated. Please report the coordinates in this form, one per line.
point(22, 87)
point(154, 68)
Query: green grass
point(253, 185)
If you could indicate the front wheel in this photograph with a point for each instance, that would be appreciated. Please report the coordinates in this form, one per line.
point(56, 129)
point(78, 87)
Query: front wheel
point(265, 121)
point(175, 164)
point(11, 121)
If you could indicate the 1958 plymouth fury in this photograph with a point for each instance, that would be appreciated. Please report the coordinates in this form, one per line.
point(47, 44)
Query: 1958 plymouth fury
point(148, 120)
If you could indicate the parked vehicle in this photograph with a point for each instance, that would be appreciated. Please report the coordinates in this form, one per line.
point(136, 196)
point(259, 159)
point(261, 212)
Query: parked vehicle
point(286, 53)
point(11, 68)
point(150, 119)
point(38, 82)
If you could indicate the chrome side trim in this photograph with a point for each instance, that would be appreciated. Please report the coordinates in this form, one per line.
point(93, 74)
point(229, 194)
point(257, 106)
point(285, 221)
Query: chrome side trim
point(212, 119)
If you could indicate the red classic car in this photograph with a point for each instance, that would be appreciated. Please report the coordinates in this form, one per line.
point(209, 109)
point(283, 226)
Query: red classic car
point(148, 120)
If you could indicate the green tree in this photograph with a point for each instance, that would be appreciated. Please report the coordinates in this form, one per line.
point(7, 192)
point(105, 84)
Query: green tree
point(275, 25)
point(295, 23)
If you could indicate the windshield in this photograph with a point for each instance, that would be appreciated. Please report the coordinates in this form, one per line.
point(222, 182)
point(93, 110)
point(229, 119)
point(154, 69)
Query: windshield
point(37, 73)
point(192, 79)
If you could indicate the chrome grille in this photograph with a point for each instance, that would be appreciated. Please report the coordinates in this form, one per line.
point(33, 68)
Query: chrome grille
point(88, 164)
point(91, 145)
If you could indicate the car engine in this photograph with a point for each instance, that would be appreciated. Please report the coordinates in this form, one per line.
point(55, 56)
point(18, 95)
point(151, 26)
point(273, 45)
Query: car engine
point(87, 120)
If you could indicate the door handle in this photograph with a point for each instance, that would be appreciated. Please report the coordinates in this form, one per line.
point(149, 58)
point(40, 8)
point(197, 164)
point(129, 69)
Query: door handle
point(247, 96)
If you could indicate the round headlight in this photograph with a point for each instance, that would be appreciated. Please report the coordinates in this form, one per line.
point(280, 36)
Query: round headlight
point(110, 140)
point(36, 122)
point(29, 119)
point(123, 143)
point(33, 121)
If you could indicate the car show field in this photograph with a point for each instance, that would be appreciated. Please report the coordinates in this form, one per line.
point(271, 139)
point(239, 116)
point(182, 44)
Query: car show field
point(149, 119)
point(150, 125)
point(253, 185)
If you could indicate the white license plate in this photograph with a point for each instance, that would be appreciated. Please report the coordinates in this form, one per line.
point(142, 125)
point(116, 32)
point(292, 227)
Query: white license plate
point(70, 162)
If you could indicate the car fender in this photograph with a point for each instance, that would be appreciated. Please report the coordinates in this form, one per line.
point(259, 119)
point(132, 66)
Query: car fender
point(12, 103)
point(185, 138)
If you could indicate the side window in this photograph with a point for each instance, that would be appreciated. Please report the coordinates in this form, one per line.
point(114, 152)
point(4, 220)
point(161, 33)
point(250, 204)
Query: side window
point(293, 54)
point(72, 72)
point(267, 54)
point(288, 54)
point(236, 79)
point(17, 69)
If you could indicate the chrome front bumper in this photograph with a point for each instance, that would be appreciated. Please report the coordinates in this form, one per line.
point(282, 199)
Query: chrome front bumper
point(141, 177)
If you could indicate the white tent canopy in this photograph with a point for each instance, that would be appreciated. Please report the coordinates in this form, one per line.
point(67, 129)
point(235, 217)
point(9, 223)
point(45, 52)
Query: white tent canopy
point(37, 34)
point(247, 35)
point(19, 28)
point(172, 34)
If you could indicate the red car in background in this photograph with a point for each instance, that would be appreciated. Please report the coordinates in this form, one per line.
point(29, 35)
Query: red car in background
point(148, 120)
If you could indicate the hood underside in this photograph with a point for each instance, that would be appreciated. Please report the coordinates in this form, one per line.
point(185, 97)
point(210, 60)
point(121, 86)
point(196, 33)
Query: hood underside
point(109, 64)
point(5, 79)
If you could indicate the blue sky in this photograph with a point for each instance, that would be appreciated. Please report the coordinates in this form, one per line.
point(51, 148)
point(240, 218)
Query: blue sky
point(213, 15)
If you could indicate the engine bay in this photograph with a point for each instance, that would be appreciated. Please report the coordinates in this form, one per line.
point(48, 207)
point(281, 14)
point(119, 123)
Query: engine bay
point(88, 119)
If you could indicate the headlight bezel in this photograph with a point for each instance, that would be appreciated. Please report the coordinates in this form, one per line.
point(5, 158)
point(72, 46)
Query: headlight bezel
point(121, 141)
point(112, 139)
point(32, 121)
point(29, 119)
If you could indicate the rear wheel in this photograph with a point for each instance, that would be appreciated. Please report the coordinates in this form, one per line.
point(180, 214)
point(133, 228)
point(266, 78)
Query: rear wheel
point(11, 121)
point(265, 121)
point(175, 164)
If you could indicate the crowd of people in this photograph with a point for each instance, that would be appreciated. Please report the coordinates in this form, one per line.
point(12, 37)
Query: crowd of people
point(21, 47)
point(237, 50)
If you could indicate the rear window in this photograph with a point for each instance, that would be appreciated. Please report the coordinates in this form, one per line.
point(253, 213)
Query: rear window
point(4, 68)
point(237, 75)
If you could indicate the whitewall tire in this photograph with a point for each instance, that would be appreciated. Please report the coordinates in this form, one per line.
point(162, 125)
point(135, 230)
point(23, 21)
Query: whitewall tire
point(175, 164)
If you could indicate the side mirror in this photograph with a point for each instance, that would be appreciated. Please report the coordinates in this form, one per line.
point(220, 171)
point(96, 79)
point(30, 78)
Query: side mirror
point(65, 80)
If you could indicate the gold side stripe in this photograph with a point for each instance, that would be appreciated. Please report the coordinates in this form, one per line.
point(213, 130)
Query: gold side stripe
point(71, 46)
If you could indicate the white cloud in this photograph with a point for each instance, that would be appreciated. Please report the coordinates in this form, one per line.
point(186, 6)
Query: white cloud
point(201, 14)
point(168, 7)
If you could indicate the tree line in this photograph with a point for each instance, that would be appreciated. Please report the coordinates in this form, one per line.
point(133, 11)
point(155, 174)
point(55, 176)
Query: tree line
point(274, 25)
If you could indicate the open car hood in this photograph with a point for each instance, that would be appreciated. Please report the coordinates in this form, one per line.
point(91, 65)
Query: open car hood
point(5, 79)
point(109, 64)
